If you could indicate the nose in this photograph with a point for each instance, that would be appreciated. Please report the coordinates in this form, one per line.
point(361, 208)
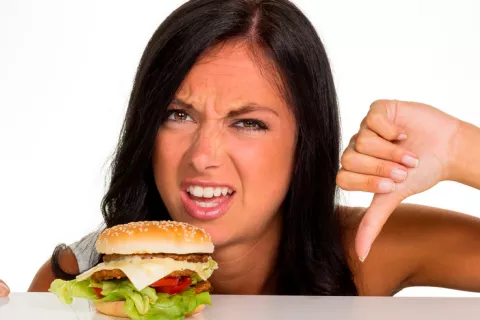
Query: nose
point(206, 149)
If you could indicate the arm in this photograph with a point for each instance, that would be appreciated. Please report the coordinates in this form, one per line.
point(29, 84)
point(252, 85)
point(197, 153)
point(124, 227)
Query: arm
point(420, 246)
point(447, 249)
point(424, 246)
point(425, 144)
point(465, 162)
point(45, 275)
point(416, 245)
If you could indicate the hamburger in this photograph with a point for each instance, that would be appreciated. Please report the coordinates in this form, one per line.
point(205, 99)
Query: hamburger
point(150, 270)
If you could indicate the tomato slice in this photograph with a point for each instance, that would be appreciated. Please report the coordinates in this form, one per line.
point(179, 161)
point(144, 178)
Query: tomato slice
point(166, 282)
point(98, 291)
point(182, 285)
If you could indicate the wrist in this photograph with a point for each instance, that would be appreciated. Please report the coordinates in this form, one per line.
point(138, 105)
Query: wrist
point(464, 164)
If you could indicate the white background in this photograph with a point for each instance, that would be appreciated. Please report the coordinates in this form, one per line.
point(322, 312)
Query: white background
point(66, 69)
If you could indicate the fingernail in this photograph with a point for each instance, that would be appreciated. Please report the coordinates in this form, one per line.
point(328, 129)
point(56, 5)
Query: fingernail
point(402, 136)
point(399, 174)
point(362, 259)
point(386, 186)
point(410, 161)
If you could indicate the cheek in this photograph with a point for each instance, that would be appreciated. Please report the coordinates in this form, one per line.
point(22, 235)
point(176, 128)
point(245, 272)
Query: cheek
point(265, 171)
point(167, 158)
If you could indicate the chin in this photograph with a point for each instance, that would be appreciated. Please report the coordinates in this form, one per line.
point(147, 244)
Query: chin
point(221, 238)
point(220, 233)
point(223, 231)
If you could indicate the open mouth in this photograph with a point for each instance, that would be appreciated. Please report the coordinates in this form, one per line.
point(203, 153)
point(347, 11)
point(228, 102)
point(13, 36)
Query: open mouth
point(208, 197)
point(207, 202)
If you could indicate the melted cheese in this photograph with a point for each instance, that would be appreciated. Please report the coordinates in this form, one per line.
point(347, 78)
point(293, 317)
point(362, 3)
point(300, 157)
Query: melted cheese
point(143, 272)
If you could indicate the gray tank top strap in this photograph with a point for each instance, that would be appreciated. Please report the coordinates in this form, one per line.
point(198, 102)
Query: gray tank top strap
point(85, 252)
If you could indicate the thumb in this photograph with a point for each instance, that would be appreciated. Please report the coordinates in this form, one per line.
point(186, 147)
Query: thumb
point(373, 221)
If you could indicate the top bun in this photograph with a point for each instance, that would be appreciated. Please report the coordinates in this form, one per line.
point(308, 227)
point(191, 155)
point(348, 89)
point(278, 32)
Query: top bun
point(154, 237)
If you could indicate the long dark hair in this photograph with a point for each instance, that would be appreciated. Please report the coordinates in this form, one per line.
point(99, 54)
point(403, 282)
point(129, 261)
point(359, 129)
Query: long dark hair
point(312, 259)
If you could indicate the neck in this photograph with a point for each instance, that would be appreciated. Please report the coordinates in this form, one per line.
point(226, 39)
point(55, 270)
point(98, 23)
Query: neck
point(245, 268)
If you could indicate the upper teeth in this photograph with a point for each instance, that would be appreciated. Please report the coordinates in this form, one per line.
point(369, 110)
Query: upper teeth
point(208, 192)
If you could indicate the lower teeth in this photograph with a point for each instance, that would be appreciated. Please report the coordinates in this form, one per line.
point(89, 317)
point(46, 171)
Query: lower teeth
point(206, 204)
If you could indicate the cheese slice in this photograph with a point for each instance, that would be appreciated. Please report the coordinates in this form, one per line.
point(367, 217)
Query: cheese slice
point(143, 272)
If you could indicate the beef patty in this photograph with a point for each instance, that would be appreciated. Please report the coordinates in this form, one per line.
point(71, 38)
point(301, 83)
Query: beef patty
point(203, 286)
point(193, 257)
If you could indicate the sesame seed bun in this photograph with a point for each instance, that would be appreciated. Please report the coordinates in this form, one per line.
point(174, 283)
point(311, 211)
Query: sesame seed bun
point(154, 237)
point(117, 309)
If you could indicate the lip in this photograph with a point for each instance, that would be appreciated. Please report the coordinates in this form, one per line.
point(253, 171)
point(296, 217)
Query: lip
point(203, 213)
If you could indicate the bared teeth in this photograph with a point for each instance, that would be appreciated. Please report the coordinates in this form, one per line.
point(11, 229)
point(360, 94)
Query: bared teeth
point(206, 204)
point(208, 192)
point(198, 191)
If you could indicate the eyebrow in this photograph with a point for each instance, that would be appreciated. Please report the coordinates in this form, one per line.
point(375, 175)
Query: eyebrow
point(247, 108)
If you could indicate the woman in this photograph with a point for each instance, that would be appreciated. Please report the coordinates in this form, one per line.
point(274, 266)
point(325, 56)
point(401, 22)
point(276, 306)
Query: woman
point(233, 126)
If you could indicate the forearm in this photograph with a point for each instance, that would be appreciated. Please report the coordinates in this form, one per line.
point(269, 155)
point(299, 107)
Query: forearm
point(465, 161)
point(44, 277)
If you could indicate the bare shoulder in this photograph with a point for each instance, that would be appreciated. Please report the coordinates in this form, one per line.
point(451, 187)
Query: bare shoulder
point(44, 276)
point(414, 248)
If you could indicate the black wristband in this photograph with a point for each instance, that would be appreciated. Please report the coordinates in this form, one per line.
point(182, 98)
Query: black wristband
point(57, 271)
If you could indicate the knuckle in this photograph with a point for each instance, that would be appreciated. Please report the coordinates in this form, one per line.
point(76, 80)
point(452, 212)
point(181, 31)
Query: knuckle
point(369, 184)
point(374, 103)
point(353, 138)
point(363, 123)
point(380, 169)
point(347, 160)
point(368, 120)
point(394, 154)
point(361, 144)
point(373, 118)
point(340, 180)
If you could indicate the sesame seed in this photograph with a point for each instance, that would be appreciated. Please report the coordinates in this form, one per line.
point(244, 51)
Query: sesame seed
point(189, 232)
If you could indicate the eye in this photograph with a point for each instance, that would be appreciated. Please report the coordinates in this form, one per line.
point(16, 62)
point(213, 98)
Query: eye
point(250, 125)
point(179, 115)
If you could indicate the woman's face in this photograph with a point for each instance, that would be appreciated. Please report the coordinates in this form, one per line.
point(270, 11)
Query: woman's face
point(223, 159)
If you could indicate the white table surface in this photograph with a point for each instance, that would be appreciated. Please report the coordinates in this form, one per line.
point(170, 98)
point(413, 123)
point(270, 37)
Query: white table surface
point(34, 306)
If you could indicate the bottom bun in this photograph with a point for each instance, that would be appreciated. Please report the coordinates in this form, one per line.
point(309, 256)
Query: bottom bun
point(114, 308)
point(117, 309)
point(197, 310)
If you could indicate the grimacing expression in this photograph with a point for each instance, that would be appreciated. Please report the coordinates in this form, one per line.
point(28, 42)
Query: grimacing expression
point(224, 157)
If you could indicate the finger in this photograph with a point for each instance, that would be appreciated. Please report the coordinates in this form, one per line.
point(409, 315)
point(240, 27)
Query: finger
point(377, 147)
point(381, 120)
point(350, 181)
point(351, 143)
point(374, 219)
point(4, 290)
point(360, 163)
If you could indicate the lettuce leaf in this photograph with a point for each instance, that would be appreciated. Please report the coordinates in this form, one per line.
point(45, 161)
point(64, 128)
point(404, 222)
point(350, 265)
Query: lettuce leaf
point(66, 290)
point(170, 307)
point(146, 304)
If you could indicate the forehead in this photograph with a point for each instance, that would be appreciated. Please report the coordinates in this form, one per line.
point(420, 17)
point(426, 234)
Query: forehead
point(231, 71)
